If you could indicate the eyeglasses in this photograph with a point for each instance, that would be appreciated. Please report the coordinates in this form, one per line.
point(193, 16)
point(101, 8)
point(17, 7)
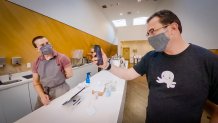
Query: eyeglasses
point(41, 45)
point(152, 31)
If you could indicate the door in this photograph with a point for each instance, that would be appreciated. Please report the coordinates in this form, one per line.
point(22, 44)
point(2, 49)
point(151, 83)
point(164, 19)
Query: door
point(2, 117)
point(33, 95)
point(126, 53)
point(15, 102)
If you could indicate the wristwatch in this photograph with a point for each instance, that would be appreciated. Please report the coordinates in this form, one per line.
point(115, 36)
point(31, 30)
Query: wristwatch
point(108, 67)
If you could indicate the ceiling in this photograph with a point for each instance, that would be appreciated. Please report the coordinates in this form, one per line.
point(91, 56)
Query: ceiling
point(127, 9)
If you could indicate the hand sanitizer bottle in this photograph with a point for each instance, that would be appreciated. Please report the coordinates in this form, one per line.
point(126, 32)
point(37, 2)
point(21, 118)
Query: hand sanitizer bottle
point(88, 78)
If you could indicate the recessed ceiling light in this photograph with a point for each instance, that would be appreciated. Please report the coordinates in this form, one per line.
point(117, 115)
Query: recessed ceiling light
point(119, 23)
point(121, 14)
point(140, 20)
point(139, 1)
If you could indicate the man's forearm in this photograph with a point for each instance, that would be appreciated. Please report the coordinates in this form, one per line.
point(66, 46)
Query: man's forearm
point(212, 109)
point(127, 74)
point(39, 90)
point(37, 85)
point(214, 116)
point(69, 75)
point(68, 72)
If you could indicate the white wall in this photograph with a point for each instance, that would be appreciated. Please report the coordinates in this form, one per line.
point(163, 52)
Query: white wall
point(199, 20)
point(130, 33)
point(142, 47)
point(84, 15)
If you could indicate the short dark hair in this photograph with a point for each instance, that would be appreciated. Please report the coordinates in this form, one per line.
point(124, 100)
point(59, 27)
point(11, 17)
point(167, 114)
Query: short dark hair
point(167, 17)
point(36, 38)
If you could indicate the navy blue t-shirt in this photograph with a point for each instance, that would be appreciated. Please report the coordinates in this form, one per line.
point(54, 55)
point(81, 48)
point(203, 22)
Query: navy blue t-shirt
point(179, 85)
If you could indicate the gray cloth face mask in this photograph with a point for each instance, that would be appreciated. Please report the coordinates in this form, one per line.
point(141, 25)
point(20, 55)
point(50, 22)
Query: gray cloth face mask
point(159, 42)
point(46, 49)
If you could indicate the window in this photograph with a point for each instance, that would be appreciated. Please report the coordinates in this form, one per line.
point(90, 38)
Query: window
point(140, 21)
point(119, 23)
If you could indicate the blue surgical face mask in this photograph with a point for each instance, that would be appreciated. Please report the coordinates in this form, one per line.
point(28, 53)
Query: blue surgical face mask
point(159, 42)
point(46, 49)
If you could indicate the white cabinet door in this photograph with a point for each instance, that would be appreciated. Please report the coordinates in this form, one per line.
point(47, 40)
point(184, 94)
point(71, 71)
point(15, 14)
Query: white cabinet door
point(2, 117)
point(33, 95)
point(15, 102)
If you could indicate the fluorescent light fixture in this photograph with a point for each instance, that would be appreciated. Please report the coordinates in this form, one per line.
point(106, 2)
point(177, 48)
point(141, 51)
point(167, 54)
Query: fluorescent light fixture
point(119, 23)
point(140, 20)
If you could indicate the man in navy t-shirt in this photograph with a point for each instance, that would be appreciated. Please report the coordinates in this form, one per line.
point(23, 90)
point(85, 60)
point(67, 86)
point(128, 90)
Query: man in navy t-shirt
point(182, 77)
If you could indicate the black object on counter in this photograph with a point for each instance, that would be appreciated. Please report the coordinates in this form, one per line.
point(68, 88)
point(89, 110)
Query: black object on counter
point(10, 82)
point(97, 49)
point(72, 98)
point(28, 76)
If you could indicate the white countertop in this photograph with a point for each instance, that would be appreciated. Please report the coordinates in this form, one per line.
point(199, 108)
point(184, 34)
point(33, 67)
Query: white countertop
point(106, 109)
point(15, 76)
point(4, 78)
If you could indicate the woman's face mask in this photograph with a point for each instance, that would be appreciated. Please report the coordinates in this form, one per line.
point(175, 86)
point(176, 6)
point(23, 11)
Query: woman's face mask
point(159, 42)
point(46, 49)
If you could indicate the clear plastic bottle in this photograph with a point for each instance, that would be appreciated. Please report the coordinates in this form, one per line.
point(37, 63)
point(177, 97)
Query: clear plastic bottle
point(108, 90)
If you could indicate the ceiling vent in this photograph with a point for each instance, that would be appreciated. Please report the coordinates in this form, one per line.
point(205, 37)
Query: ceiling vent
point(104, 6)
point(129, 13)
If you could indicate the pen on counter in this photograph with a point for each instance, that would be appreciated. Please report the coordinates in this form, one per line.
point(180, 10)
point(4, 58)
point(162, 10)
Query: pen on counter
point(77, 101)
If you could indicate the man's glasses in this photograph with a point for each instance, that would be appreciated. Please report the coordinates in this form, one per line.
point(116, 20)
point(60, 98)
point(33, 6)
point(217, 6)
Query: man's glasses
point(41, 45)
point(152, 31)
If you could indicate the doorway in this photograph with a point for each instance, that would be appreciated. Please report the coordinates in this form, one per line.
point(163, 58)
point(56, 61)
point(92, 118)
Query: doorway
point(126, 53)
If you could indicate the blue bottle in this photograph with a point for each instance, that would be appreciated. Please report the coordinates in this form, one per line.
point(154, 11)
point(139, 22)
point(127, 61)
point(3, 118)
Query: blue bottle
point(88, 78)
